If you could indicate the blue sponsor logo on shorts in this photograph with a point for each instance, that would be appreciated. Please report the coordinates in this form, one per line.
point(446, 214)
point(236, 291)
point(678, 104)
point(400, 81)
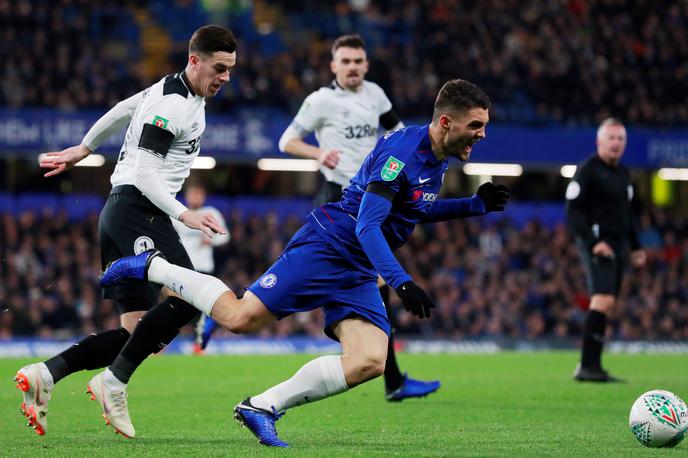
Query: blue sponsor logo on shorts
point(268, 281)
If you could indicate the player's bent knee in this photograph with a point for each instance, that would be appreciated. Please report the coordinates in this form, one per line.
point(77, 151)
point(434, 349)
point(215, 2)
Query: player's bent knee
point(370, 365)
point(371, 369)
point(242, 324)
point(166, 292)
point(246, 315)
point(364, 350)
point(246, 321)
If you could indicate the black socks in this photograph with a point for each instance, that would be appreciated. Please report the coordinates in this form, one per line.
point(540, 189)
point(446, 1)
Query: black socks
point(156, 329)
point(92, 352)
point(593, 339)
point(393, 376)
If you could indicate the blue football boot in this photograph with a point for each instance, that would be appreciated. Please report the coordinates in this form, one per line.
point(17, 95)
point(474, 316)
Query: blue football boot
point(260, 422)
point(411, 388)
point(209, 327)
point(205, 327)
point(128, 268)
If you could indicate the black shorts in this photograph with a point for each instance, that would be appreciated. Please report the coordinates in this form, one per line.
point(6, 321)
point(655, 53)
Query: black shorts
point(329, 192)
point(604, 274)
point(130, 224)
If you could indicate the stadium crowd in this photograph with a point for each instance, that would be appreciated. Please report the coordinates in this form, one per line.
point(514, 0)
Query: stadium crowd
point(488, 280)
point(67, 54)
point(559, 62)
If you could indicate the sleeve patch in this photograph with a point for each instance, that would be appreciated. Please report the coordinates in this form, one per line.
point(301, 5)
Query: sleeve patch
point(573, 190)
point(161, 122)
point(391, 169)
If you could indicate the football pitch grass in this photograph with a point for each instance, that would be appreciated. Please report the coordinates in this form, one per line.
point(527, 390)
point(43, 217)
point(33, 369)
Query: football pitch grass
point(506, 404)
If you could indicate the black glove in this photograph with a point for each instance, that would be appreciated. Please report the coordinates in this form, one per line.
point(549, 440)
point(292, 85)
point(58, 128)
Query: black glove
point(493, 196)
point(415, 299)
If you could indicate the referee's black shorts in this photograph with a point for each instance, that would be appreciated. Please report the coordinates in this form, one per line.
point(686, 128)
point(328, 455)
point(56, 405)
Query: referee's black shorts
point(604, 274)
point(329, 192)
point(130, 224)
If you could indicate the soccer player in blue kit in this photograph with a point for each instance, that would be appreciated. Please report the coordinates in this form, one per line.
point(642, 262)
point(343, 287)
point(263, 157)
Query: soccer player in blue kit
point(333, 260)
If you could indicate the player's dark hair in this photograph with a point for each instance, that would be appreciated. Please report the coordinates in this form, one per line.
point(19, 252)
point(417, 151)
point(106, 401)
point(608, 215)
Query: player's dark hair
point(459, 95)
point(348, 41)
point(212, 38)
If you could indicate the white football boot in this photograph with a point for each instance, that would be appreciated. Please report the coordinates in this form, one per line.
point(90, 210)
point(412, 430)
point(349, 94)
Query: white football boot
point(36, 389)
point(114, 404)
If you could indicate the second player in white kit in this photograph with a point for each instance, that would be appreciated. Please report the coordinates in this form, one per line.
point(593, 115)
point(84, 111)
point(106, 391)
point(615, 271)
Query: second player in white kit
point(346, 117)
point(201, 251)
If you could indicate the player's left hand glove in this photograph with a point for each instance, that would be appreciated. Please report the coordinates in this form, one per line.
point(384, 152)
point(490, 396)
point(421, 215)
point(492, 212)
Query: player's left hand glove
point(415, 299)
point(493, 196)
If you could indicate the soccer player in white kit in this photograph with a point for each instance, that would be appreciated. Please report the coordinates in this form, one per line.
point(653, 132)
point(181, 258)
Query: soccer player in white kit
point(200, 248)
point(346, 117)
point(166, 122)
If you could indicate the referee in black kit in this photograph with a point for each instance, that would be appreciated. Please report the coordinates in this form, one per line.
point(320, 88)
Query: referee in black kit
point(598, 210)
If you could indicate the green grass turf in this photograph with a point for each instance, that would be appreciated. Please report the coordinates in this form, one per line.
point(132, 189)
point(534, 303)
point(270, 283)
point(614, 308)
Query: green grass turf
point(508, 404)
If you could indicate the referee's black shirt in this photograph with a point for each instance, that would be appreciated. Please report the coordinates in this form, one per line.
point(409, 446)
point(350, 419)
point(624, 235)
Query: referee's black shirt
point(598, 204)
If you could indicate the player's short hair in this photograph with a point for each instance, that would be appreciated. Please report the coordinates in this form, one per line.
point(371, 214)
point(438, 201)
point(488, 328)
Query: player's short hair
point(459, 95)
point(348, 41)
point(609, 122)
point(212, 38)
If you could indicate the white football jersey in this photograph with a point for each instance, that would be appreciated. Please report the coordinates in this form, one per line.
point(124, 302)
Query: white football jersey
point(200, 246)
point(171, 105)
point(344, 120)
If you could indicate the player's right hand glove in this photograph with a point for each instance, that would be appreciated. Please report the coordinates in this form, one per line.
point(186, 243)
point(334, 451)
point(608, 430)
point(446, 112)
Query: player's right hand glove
point(415, 299)
point(493, 196)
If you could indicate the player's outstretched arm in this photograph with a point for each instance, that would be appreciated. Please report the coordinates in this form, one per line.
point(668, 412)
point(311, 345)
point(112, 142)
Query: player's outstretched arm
point(204, 222)
point(291, 142)
point(375, 207)
point(488, 198)
point(59, 161)
point(108, 124)
point(493, 196)
point(223, 237)
point(112, 121)
point(148, 181)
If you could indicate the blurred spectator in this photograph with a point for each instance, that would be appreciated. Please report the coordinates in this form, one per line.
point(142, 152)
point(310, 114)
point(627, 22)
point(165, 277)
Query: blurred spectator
point(571, 62)
point(532, 286)
point(67, 54)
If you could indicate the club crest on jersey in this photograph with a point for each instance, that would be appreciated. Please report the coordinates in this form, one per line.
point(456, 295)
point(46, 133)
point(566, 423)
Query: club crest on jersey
point(391, 169)
point(161, 122)
point(268, 281)
point(142, 244)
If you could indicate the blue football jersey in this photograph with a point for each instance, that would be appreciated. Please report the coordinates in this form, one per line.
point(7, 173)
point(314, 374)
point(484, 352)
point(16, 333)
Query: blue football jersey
point(402, 161)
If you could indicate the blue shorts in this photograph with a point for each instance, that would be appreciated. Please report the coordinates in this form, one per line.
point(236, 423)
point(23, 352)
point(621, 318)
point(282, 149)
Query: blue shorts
point(311, 274)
